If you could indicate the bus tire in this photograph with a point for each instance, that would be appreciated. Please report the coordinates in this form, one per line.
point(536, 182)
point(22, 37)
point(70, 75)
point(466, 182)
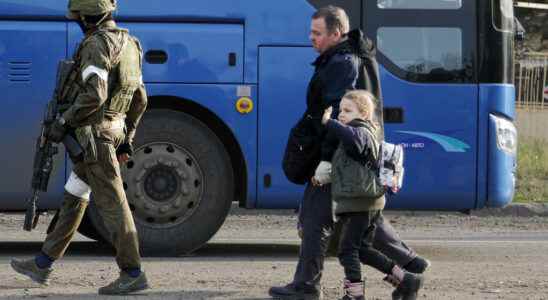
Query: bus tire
point(179, 184)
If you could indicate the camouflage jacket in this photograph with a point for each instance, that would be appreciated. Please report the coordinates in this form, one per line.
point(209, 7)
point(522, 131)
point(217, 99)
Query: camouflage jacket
point(95, 79)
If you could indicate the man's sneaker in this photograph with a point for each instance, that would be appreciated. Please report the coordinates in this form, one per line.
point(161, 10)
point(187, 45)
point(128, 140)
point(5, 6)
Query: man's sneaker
point(125, 284)
point(283, 291)
point(289, 292)
point(29, 268)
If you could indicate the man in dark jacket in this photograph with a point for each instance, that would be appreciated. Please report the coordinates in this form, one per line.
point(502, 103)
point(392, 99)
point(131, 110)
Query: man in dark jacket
point(346, 62)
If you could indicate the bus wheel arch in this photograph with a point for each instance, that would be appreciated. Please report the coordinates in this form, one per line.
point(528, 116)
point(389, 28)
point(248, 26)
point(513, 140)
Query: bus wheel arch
point(221, 130)
point(163, 230)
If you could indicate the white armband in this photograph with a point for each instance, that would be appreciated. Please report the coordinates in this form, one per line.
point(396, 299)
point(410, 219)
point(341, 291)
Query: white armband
point(101, 73)
point(77, 187)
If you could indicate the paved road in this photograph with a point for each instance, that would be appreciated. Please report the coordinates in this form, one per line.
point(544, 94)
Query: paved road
point(473, 258)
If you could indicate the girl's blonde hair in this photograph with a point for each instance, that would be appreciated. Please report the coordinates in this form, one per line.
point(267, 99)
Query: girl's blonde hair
point(364, 100)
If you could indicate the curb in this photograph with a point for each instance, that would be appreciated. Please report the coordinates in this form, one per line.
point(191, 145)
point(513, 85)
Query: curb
point(511, 210)
point(515, 210)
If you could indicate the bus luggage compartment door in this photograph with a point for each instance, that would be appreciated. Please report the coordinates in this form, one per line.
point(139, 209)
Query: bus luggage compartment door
point(186, 52)
point(196, 53)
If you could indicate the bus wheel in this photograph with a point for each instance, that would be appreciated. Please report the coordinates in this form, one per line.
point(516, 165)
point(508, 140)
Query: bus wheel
point(179, 183)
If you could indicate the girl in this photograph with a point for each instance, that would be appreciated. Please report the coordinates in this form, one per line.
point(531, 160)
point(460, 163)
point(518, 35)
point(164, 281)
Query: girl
point(358, 199)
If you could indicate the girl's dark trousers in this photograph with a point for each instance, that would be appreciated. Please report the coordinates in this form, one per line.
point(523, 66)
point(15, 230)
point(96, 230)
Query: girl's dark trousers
point(356, 245)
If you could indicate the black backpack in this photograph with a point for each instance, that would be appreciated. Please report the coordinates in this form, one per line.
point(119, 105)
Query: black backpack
point(302, 152)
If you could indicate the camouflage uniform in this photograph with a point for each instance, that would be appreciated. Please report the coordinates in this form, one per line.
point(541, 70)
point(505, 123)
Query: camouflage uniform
point(104, 100)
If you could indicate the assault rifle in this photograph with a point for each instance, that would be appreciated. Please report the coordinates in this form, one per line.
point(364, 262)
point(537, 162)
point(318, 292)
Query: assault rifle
point(46, 150)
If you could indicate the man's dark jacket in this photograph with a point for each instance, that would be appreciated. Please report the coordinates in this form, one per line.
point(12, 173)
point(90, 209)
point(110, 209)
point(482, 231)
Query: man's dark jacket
point(346, 66)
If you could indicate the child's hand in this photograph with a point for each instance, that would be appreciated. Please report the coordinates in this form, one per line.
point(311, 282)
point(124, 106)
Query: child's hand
point(327, 115)
point(322, 175)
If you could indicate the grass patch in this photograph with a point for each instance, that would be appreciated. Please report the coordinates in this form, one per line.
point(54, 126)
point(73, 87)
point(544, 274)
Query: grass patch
point(532, 177)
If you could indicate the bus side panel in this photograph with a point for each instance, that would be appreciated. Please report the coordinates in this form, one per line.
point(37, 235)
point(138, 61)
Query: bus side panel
point(185, 53)
point(497, 100)
point(29, 52)
point(196, 53)
point(221, 99)
point(439, 134)
point(266, 22)
point(283, 77)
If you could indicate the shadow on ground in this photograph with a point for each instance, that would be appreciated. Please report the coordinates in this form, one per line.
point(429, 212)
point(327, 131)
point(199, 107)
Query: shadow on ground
point(225, 250)
point(179, 295)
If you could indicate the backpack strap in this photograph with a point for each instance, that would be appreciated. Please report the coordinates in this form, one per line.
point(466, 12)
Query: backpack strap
point(371, 158)
point(388, 164)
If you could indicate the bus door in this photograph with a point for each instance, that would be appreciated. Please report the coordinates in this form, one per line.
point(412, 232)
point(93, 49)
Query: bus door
point(427, 64)
point(284, 73)
point(29, 52)
point(283, 78)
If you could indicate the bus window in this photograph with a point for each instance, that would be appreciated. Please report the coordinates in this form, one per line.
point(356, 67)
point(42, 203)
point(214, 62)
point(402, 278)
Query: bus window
point(419, 4)
point(503, 15)
point(432, 54)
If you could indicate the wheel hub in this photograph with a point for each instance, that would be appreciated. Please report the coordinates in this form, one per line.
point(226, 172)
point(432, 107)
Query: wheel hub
point(164, 184)
point(161, 183)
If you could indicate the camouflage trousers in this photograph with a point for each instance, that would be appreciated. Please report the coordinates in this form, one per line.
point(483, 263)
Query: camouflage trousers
point(101, 177)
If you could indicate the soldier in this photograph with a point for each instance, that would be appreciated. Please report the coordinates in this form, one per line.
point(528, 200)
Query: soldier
point(105, 100)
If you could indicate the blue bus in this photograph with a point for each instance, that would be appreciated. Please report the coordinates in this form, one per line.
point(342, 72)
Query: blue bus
point(227, 79)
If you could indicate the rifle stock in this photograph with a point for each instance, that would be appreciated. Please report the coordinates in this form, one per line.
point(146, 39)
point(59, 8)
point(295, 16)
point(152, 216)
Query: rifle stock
point(31, 218)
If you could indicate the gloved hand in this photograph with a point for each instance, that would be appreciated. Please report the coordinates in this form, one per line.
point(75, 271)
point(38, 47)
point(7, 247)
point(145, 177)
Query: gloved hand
point(126, 148)
point(123, 152)
point(57, 130)
point(323, 173)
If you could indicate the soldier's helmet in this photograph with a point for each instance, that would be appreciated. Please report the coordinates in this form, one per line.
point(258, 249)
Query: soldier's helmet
point(89, 8)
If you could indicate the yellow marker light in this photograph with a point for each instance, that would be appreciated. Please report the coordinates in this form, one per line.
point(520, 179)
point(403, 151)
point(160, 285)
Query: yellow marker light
point(244, 105)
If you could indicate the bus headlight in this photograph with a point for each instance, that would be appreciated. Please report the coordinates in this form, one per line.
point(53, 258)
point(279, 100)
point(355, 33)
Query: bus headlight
point(507, 135)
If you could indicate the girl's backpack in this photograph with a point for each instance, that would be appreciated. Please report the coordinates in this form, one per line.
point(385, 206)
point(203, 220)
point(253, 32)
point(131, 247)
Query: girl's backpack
point(390, 167)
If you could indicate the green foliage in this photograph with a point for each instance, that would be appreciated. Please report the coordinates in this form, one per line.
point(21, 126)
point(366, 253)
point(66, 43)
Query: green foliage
point(532, 177)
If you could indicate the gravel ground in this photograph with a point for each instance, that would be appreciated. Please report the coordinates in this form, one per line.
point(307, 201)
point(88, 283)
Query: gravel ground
point(473, 258)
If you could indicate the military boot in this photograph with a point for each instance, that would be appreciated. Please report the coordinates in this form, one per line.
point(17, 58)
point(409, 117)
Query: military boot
point(353, 290)
point(407, 284)
point(125, 284)
point(418, 265)
point(29, 268)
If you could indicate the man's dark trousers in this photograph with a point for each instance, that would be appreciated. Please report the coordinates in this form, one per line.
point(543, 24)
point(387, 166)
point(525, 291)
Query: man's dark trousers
point(317, 221)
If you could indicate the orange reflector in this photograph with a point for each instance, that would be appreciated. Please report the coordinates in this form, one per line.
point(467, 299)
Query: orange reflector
point(244, 105)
